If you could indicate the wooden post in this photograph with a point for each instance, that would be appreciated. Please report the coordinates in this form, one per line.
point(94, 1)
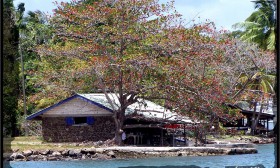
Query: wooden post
point(161, 136)
point(185, 139)
point(195, 133)
point(267, 125)
point(173, 142)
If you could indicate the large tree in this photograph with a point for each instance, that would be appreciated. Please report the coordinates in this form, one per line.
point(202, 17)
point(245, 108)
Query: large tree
point(10, 69)
point(137, 49)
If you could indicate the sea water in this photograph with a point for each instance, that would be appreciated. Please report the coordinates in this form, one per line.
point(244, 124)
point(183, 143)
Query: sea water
point(264, 158)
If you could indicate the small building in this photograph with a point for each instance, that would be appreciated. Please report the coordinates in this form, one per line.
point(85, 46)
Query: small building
point(265, 120)
point(88, 117)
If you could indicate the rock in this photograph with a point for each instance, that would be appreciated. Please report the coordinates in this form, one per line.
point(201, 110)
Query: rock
point(65, 152)
point(84, 157)
point(75, 152)
point(111, 154)
point(269, 140)
point(27, 152)
point(45, 152)
point(52, 158)
point(99, 143)
point(56, 153)
point(32, 158)
point(35, 152)
point(17, 156)
point(20, 156)
point(13, 156)
point(91, 150)
point(99, 150)
point(102, 156)
point(42, 157)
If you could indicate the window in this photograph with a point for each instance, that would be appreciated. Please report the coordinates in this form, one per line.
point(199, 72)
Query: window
point(79, 121)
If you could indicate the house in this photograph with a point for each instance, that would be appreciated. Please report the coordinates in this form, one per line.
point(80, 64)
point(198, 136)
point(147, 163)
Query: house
point(88, 117)
point(265, 121)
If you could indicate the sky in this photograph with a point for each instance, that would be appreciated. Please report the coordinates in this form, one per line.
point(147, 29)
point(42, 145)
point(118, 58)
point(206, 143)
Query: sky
point(224, 13)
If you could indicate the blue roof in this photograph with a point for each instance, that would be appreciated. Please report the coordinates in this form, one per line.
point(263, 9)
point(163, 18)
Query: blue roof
point(32, 116)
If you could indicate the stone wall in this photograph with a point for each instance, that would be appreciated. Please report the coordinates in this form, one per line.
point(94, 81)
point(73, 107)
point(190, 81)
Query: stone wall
point(122, 153)
point(54, 129)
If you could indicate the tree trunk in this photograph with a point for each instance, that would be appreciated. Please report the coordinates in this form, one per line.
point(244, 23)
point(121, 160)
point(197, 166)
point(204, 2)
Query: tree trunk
point(253, 118)
point(118, 137)
point(257, 120)
point(119, 119)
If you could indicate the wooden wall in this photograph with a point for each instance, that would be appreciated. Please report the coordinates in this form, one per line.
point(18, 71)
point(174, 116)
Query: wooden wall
point(77, 107)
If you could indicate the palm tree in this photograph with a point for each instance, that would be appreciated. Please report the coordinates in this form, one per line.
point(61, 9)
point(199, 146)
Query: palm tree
point(34, 30)
point(259, 27)
point(259, 87)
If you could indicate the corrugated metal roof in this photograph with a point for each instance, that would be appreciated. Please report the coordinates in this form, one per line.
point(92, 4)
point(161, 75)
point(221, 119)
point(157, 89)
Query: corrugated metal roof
point(143, 107)
point(244, 105)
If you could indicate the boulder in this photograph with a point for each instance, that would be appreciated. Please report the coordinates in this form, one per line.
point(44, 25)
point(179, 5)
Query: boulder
point(84, 157)
point(98, 143)
point(56, 153)
point(52, 158)
point(74, 152)
point(91, 150)
point(31, 158)
point(111, 154)
point(15, 156)
point(99, 150)
point(35, 152)
point(102, 156)
point(27, 152)
point(19, 156)
point(42, 157)
point(65, 152)
point(44, 152)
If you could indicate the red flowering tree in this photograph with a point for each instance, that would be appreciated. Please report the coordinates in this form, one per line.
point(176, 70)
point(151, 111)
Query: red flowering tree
point(141, 49)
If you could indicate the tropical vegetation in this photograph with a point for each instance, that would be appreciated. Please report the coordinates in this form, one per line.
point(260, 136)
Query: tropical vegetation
point(259, 27)
point(136, 49)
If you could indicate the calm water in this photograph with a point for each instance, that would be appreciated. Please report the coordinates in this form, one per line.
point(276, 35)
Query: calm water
point(265, 157)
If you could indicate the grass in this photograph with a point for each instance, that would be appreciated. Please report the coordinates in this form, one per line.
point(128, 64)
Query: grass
point(35, 143)
point(228, 137)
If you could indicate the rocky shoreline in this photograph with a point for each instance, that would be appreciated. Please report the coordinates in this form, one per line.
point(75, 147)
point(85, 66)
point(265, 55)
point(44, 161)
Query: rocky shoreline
point(127, 152)
point(103, 152)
